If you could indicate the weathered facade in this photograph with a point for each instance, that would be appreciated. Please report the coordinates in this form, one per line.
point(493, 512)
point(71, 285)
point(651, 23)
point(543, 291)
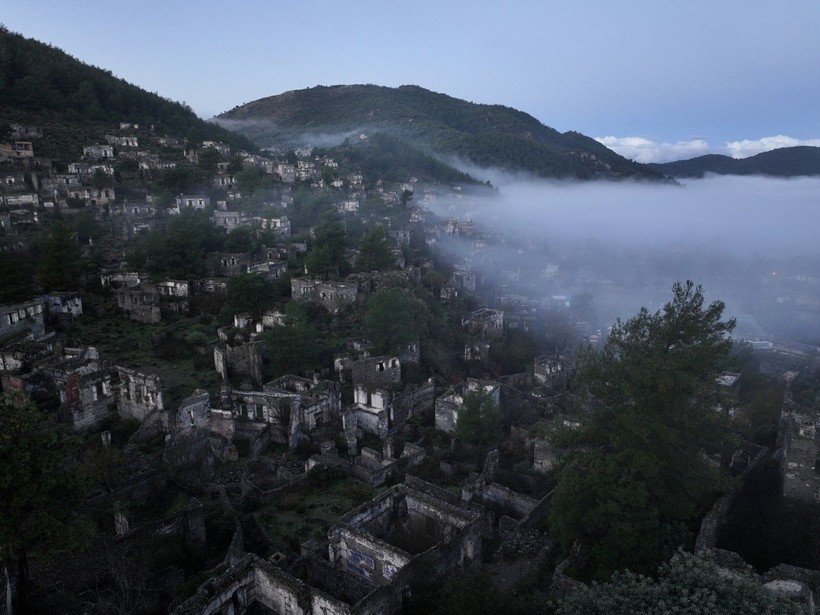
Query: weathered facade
point(332, 295)
point(140, 393)
point(24, 317)
point(85, 385)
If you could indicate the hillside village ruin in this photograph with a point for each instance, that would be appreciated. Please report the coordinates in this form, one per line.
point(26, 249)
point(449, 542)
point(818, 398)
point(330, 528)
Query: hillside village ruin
point(220, 464)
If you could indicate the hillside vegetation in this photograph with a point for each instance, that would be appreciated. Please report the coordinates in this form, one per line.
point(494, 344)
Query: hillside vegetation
point(44, 85)
point(485, 135)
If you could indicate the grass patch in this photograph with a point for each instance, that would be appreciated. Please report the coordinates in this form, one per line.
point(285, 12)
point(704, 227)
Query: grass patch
point(308, 510)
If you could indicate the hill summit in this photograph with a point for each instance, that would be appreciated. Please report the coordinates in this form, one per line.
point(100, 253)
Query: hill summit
point(445, 127)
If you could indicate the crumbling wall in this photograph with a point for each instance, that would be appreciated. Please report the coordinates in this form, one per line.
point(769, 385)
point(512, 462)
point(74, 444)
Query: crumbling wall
point(280, 591)
point(366, 556)
point(447, 408)
point(244, 362)
point(543, 456)
point(195, 411)
point(501, 498)
point(799, 433)
point(413, 403)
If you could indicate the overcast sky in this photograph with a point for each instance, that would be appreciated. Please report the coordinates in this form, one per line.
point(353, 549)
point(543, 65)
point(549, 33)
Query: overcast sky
point(654, 80)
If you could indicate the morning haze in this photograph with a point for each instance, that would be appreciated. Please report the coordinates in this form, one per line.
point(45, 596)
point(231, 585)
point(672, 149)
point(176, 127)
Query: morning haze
point(750, 241)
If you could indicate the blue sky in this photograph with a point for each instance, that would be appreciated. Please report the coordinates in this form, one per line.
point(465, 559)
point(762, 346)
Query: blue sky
point(655, 80)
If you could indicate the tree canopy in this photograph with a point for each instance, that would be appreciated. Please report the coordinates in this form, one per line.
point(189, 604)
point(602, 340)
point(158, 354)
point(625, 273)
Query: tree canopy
point(180, 251)
point(375, 251)
point(59, 267)
point(479, 419)
point(295, 347)
point(40, 493)
point(688, 584)
point(641, 463)
point(395, 318)
point(326, 255)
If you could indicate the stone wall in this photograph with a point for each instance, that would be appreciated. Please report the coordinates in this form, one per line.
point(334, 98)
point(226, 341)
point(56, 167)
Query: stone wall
point(382, 372)
point(798, 432)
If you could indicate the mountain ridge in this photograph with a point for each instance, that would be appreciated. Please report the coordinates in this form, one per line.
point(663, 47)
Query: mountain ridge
point(801, 160)
point(486, 135)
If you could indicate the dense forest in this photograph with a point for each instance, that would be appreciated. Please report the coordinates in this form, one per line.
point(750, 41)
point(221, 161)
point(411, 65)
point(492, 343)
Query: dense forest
point(40, 81)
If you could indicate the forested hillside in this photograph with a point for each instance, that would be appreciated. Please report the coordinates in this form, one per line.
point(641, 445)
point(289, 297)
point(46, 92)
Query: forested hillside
point(486, 135)
point(39, 83)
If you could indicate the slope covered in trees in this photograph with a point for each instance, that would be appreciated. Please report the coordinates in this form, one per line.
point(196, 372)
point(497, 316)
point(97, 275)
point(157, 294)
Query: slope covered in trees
point(39, 82)
point(486, 135)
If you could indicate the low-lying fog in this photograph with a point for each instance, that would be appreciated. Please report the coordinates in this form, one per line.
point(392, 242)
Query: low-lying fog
point(750, 241)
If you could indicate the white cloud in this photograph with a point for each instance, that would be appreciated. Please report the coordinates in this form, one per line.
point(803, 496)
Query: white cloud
point(747, 147)
point(640, 149)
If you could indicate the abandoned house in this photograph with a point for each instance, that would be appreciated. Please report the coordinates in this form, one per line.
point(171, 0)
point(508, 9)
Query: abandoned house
point(377, 555)
point(270, 270)
point(26, 316)
point(332, 295)
point(140, 393)
point(68, 304)
point(463, 280)
point(85, 386)
point(230, 220)
point(551, 372)
point(485, 323)
point(97, 152)
point(141, 303)
point(192, 201)
point(227, 264)
point(285, 411)
point(280, 227)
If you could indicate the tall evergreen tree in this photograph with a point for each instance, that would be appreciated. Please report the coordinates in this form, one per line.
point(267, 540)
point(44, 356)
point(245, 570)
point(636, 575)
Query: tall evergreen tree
point(641, 464)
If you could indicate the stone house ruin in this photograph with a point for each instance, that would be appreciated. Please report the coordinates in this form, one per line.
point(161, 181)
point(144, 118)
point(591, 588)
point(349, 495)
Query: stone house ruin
point(485, 323)
point(96, 152)
point(376, 555)
point(195, 201)
point(463, 280)
point(370, 466)
point(280, 227)
point(238, 356)
point(141, 303)
point(227, 263)
point(24, 317)
point(140, 393)
point(67, 304)
point(270, 270)
point(85, 385)
point(332, 295)
point(375, 379)
point(286, 410)
point(551, 372)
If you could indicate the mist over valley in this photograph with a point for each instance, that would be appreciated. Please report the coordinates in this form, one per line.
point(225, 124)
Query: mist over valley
point(750, 241)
